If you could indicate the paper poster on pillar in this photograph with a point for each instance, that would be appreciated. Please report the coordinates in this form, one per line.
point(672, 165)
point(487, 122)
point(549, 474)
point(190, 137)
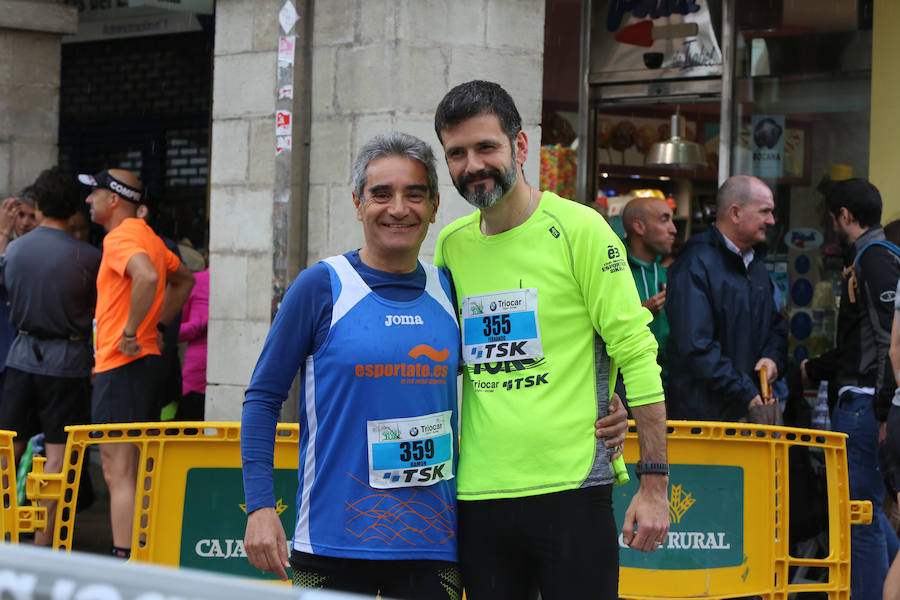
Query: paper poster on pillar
point(283, 122)
point(282, 144)
point(767, 146)
point(286, 45)
point(288, 16)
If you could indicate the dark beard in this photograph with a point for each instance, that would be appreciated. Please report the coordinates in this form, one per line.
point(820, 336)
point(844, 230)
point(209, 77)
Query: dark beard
point(481, 197)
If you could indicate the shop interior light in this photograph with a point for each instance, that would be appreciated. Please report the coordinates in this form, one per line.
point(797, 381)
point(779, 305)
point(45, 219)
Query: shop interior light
point(676, 152)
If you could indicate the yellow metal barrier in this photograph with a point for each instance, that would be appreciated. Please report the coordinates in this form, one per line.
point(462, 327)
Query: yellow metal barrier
point(728, 508)
point(189, 505)
point(729, 504)
point(14, 519)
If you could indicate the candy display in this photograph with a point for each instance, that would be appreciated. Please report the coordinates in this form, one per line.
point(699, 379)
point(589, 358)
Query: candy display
point(559, 166)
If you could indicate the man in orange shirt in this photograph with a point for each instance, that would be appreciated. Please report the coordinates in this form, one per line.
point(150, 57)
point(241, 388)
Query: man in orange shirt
point(141, 286)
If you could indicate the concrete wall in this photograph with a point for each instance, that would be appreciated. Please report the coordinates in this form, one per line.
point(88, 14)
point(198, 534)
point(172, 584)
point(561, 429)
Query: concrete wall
point(381, 66)
point(30, 34)
point(376, 66)
point(241, 197)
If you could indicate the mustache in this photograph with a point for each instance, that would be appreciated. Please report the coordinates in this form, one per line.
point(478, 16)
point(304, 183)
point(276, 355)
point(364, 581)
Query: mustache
point(494, 174)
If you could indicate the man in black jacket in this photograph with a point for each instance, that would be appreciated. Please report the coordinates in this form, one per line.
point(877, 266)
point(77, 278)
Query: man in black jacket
point(722, 315)
point(858, 369)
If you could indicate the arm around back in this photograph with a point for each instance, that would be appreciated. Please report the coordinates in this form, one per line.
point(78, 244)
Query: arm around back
point(179, 284)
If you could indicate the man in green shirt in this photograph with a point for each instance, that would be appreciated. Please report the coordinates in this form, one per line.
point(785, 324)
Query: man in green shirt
point(650, 235)
point(548, 314)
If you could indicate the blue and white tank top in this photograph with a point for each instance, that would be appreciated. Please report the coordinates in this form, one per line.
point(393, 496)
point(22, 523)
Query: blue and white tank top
point(379, 440)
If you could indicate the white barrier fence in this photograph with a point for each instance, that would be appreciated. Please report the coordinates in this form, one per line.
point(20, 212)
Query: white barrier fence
point(30, 573)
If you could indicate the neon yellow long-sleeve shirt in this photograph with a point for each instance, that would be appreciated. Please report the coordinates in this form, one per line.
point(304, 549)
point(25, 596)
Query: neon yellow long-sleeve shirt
point(528, 423)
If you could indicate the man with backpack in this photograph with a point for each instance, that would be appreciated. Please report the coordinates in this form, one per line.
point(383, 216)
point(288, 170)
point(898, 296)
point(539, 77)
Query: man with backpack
point(861, 382)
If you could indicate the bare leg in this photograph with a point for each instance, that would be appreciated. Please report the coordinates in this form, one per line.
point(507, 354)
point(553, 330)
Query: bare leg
point(55, 455)
point(120, 464)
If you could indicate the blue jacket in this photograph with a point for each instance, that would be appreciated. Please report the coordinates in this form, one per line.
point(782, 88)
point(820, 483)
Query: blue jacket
point(723, 319)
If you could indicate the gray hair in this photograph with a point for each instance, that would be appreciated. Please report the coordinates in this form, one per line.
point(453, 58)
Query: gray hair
point(400, 144)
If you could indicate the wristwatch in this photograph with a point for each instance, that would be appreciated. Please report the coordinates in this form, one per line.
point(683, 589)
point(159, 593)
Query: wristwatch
point(651, 468)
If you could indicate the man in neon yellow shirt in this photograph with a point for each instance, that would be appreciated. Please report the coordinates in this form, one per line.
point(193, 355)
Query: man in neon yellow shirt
point(548, 313)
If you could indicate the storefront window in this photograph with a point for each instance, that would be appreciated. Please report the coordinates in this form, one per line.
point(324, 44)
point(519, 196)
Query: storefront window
point(800, 120)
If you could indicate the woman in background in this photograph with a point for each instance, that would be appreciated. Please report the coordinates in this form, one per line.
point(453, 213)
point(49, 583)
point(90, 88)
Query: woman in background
point(193, 331)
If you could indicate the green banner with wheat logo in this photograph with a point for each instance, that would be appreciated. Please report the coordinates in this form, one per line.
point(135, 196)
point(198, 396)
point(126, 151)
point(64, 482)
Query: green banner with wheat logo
point(706, 515)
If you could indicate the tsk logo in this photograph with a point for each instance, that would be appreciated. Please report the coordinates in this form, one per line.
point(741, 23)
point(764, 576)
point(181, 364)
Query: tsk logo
point(403, 320)
point(525, 382)
point(508, 366)
point(500, 350)
point(424, 474)
point(554, 232)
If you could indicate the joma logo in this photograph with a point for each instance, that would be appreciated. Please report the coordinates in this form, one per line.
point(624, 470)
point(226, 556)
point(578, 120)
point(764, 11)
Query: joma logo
point(403, 320)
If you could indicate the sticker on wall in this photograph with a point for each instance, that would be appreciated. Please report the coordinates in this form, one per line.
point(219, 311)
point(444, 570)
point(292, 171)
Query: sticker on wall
point(286, 91)
point(801, 292)
point(804, 238)
point(288, 16)
point(283, 122)
point(286, 46)
point(802, 264)
point(801, 326)
point(282, 144)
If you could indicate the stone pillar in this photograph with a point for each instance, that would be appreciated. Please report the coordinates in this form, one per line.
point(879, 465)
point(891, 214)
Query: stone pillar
point(250, 198)
point(381, 66)
point(30, 35)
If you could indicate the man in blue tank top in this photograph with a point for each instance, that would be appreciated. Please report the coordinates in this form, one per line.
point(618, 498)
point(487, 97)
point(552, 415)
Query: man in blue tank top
point(373, 334)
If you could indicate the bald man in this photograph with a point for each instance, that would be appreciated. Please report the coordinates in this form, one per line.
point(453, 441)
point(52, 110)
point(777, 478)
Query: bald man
point(141, 286)
point(650, 235)
point(721, 310)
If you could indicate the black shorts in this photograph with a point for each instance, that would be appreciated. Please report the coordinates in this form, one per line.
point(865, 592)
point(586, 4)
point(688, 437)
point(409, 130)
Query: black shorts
point(413, 579)
point(35, 403)
point(892, 448)
point(564, 543)
point(128, 394)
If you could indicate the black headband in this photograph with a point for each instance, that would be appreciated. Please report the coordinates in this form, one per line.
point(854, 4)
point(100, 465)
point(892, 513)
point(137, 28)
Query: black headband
point(106, 181)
